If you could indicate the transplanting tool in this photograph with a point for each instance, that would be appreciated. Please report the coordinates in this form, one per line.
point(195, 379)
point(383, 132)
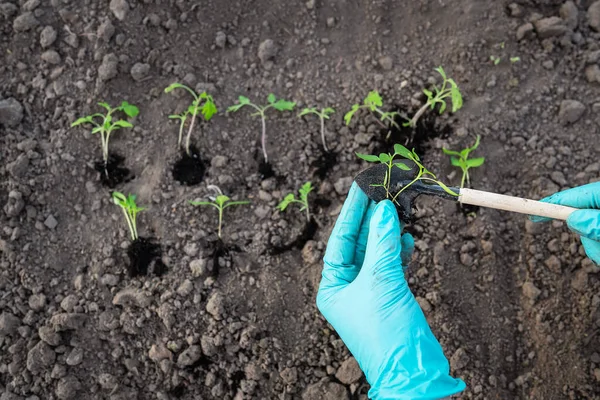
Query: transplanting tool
point(370, 179)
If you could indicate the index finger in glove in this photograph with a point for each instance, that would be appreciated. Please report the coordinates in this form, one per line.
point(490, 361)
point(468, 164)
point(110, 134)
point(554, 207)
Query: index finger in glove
point(583, 197)
point(340, 266)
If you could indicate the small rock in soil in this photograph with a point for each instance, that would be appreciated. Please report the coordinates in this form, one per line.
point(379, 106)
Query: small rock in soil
point(215, 305)
point(553, 264)
point(159, 352)
point(75, 357)
point(580, 281)
point(208, 345)
point(40, 358)
point(349, 372)
point(325, 390)
point(220, 39)
point(289, 375)
point(310, 253)
point(8, 10)
point(386, 63)
point(550, 27)
point(37, 302)
point(592, 73)
point(185, 288)
point(119, 8)
point(189, 356)
point(132, 297)
point(570, 13)
point(570, 111)
point(51, 57)
point(459, 359)
point(267, 51)
point(51, 222)
point(48, 36)
point(68, 321)
point(593, 15)
point(15, 204)
point(516, 10)
point(48, 335)
point(342, 185)
point(108, 68)
point(25, 22)
point(67, 388)
point(11, 112)
point(8, 324)
point(525, 31)
point(531, 291)
point(19, 167)
point(106, 30)
point(198, 267)
point(139, 71)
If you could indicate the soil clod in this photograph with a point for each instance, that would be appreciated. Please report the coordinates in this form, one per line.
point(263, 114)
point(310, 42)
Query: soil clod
point(113, 173)
point(144, 257)
point(189, 169)
point(308, 233)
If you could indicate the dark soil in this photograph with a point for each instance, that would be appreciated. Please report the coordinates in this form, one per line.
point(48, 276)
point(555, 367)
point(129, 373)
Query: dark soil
point(113, 173)
point(219, 250)
point(189, 169)
point(308, 233)
point(145, 257)
point(323, 165)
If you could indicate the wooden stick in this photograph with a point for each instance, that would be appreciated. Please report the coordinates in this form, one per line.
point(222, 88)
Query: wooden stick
point(514, 204)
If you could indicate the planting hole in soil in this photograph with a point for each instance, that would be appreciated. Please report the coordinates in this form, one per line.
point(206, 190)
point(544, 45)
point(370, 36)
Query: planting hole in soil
point(113, 173)
point(418, 138)
point(325, 162)
point(308, 233)
point(145, 257)
point(189, 169)
point(265, 169)
point(219, 250)
point(467, 209)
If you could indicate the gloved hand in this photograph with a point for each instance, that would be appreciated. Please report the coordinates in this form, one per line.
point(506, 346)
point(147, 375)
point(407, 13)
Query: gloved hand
point(364, 296)
point(584, 222)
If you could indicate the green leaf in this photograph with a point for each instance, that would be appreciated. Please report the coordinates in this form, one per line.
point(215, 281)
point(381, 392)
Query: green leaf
point(236, 203)
point(367, 157)
point(119, 198)
point(457, 100)
point(450, 152)
point(203, 203)
point(192, 109)
point(415, 155)
point(402, 151)
point(464, 153)
point(243, 100)
point(284, 105)
point(221, 199)
point(123, 124)
point(235, 107)
point(129, 109)
point(209, 108)
point(350, 114)
point(476, 145)
point(475, 162)
point(443, 106)
point(497, 61)
point(455, 161)
point(173, 86)
point(515, 59)
point(97, 129)
point(403, 166)
point(307, 111)
point(82, 120)
point(441, 71)
point(305, 190)
point(271, 98)
point(328, 111)
point(286, 202)
point(373, 99)
point(105, 105)
point(447, 189)
point(428, 94)
point(384, 158)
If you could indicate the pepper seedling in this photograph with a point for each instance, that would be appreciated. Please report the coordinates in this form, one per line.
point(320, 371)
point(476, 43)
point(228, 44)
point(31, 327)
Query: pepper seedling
point(203, 103)
point(449, 89)
point(303, 200)
point(279, 105)
point(323, 115)
point(461, 160)
point(373, 102)
point(389, 160)
point(221, 202)
point(107, 125)
point(130, 210)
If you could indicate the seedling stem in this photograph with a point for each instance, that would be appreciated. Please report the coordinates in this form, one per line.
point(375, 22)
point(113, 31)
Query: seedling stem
point(130, 210)
point(221, 203)
point(461, 160)
point(303, 201)
point(323, 115)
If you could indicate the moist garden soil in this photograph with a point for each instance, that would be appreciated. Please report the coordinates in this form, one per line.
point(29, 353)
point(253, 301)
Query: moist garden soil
point(514, 305)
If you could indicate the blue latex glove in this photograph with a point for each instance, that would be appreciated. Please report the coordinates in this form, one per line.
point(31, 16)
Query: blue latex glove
point(364, 296)
point(584, 222)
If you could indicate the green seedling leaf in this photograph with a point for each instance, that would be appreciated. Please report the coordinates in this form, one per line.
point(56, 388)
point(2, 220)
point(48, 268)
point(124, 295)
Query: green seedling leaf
point(129, 109)
point(415, 156)
point(447, 189)
point(83, 120)
point(286, 202)
point(442, 107)
point(367, 157)
point(327, 112)
point(307, 111)
point(457, 100)
point(515, 59)
point(123, 124)
point(305, 190)
point(244, 100)
point(402, 151)
point(384, 158)
point(476, 145)
point(441, 71)
point(172, 87)
point(350, 114)
point(475, 162)
point(373, 100)
point(403, 166)
point(428, 93)
point(105, 105)
point(221, 199)
point(209, 108)
point(202, 203)
point(271, 98)
point(284, 105)
point(455, 161)
point(451, 152)
point(235, 203)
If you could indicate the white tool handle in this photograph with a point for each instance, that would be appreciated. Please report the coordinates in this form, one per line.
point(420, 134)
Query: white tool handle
point(515, 204)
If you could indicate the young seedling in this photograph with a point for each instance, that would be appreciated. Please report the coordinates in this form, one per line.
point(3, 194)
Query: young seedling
point(495, 59)
point(303, 201)
point(449, 89)
point(389, 160)
point(203, 103)
point(323, 115)
point(279, 105)
point(130, 209)
point(461, 159)
point(221, 202)
point(106, 126)
point(373, 102)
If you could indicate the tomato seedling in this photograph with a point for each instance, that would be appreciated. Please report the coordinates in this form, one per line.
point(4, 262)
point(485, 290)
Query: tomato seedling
point(461, 160)
point(303, 200)
point(221, 202)
point(389, 160)
point(107, 125)
point(323, 115)
point(130, 210)
point(373, 102)
point(203, 103)
point(449, 89)
point(279, 105)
